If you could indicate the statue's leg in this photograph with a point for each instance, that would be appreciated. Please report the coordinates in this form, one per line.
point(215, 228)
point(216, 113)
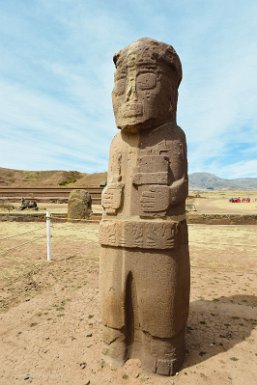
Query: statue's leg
point(163, 355)
point(112, 288)
point(162, 279)
point(114, 346)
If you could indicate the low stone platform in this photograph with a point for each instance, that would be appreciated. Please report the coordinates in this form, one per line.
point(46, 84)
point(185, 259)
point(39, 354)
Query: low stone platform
point(208, 219)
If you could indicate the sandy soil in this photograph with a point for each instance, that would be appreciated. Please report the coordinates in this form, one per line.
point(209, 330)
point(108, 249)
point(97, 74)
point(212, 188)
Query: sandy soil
point(50, 330)
point(218, 203)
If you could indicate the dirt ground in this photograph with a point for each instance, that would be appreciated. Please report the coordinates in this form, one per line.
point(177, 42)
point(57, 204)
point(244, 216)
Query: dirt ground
point(217, 202)
point(50, 330)
point(54, 208)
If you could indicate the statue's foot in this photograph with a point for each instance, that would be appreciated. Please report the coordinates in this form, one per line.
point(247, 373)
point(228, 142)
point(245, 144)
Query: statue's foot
point(163, 356)
point(114, 347)
point(166, 367)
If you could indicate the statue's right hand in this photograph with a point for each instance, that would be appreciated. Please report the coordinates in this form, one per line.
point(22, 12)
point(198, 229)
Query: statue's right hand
point(107, 198)
point(111, 197)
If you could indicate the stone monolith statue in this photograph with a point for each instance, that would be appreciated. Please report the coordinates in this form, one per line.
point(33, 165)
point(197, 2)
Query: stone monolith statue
point(79, 204)
point(144, 269)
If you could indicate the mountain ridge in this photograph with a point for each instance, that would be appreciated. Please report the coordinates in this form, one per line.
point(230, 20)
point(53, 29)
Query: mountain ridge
point(208, 181)
point(59, 178)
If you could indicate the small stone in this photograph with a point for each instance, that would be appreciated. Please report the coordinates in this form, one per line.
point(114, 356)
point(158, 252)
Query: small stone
point(87, 383)
point(33, 324)
point(83, 365)
point(233, 358)
point(89, 334)
point(26, 376)
point(102, 363)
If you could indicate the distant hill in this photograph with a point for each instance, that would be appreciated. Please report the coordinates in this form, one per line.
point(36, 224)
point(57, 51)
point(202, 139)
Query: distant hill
point(206, 181)
point(19, 178)
point(197, 181)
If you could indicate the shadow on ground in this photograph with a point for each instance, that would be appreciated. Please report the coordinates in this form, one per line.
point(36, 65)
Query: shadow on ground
point(216, 326)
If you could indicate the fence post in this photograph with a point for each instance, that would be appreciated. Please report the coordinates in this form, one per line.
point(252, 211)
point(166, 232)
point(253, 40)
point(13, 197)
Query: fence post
point(48, 236)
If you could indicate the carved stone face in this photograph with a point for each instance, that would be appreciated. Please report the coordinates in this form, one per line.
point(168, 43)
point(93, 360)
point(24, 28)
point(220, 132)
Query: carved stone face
point(144, 94)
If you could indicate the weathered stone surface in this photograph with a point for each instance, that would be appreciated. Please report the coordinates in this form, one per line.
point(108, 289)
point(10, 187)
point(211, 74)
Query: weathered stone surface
point(142, 234)
point(79, 204)
point(144, 268)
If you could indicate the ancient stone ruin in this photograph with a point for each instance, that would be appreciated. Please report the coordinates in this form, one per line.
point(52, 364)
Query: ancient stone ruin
point(144, 268)
point(79, 204)
point(28, 204)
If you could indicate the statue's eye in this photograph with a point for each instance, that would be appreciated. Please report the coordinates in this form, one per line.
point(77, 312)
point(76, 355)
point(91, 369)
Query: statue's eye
point(120, 86)
point(146, 81)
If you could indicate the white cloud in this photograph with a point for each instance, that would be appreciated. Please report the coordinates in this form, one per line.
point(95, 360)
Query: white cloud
point(242, 169)
point(57, 76)
point(47, 126)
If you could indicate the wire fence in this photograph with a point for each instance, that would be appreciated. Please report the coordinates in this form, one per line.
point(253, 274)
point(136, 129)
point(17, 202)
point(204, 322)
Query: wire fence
point(19, 234)
point(49, 233)
point(68, 225)
point(21, 245)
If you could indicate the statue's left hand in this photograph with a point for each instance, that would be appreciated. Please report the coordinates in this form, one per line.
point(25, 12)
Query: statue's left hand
point(155, 199)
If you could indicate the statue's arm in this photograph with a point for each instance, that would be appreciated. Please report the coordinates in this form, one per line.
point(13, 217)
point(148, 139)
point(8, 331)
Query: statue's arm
point(112, 193)
point(179, 188)
point(179, 191)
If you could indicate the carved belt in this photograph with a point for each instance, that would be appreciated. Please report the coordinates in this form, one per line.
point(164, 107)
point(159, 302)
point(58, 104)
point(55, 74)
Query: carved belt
point(154, 234)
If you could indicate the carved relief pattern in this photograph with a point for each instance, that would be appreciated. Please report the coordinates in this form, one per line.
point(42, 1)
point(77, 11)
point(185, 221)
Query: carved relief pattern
point(112, 197)
point(116, 167)
point(142, 234)
point(151, 178)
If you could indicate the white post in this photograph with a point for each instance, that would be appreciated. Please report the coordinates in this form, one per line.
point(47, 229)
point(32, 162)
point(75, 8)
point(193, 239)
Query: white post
point(48, 235)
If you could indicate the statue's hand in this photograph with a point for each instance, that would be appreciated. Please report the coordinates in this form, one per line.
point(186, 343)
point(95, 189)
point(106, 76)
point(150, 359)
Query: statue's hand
point(155, 199)
point(178, 191)
point(112, 197)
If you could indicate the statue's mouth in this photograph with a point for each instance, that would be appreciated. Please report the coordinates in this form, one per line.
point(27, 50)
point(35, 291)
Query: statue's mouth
point(132, 109)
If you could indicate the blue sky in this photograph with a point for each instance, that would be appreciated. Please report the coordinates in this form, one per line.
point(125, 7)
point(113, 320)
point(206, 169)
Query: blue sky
point(56, 78)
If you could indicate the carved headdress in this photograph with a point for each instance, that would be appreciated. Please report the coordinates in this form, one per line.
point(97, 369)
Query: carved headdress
point(150, 52)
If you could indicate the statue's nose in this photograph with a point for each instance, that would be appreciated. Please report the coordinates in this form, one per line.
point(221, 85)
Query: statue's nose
point(131, 93)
